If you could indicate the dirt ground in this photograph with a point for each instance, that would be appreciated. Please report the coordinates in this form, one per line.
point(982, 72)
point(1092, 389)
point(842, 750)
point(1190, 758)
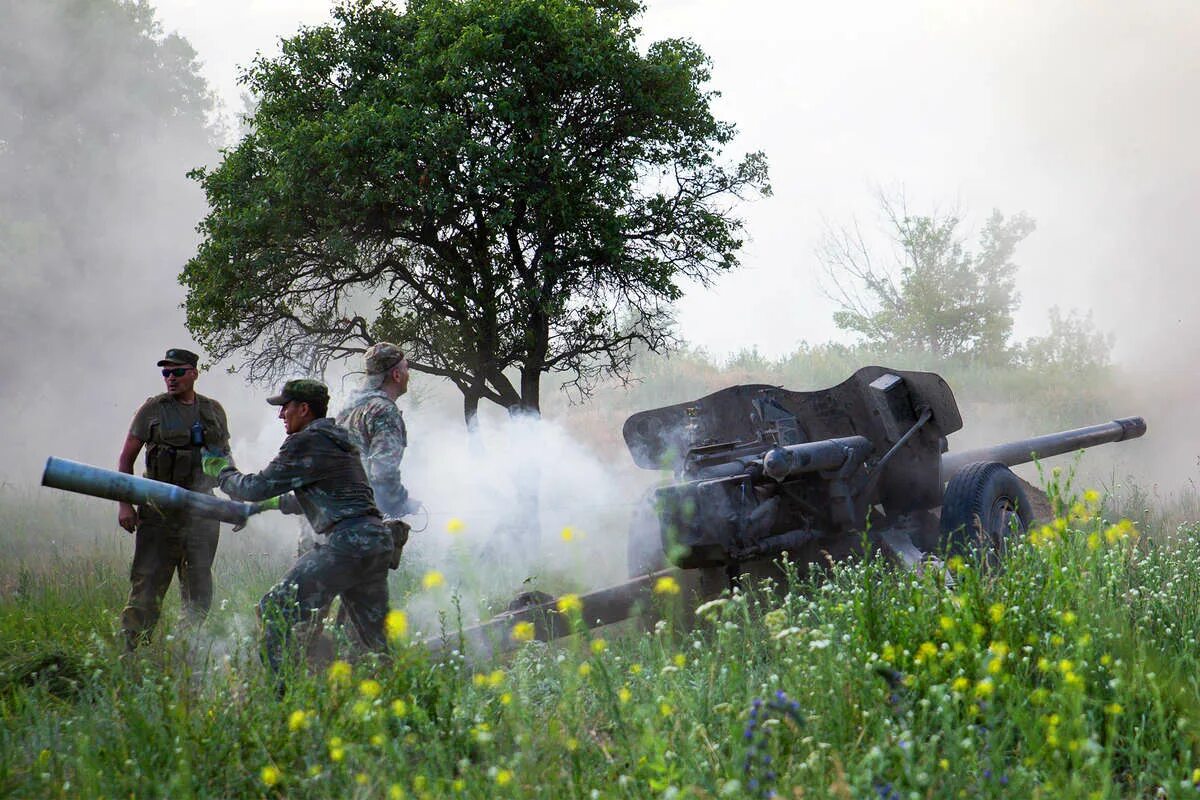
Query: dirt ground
point(1039, 503)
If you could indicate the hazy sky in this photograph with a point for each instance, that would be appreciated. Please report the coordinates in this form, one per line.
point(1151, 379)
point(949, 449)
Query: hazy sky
point(1081, 114)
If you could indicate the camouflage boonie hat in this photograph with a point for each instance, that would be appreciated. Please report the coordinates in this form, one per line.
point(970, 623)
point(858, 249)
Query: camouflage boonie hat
point(177, 356)
point(381, 357)
point(302, 390)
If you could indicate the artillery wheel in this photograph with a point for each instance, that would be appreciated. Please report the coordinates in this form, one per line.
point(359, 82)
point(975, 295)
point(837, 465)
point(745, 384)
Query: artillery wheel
point(981, 504)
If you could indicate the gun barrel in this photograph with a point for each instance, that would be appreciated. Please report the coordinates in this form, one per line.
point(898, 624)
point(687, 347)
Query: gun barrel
point(1052, 444)
point(72, 476)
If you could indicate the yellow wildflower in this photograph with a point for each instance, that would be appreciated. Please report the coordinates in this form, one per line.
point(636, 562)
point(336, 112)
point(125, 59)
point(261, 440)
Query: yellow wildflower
point(567, 533)
point(399, 707)
point(433, 579)
point(1121, 531)
point(985, 688)
point(1106, 659)
point(495, 678)
point(1065, 665)
point(395, 792)
point(1113, 709)
point(888, 654)
point(572, 744)
point(370, 688)
point(361, 779)
point(599, 646)
point(298, 720)
point(455, 526)
point(339, 673)
point(504, 777)
point(943, 764)
point(378, 739)
point(960, 684)
point(946, 624)
point(585, 669)
point(623, 694)
point(458, 785)
point(362, 708)
point(996, 612)
point(666, 585)
point(506, 699)
point(635, 669)
point(1068, 617)
point(1093, 541)
point(665, 709)
point(396, 625)
point(1091, 497)
point(337, 754)
point(419, 783)
point(522, 632)
point(270, 775)
point(956, 564)
point(569, 604)
point(479, 680)
point(679, 660)
point(926, 651)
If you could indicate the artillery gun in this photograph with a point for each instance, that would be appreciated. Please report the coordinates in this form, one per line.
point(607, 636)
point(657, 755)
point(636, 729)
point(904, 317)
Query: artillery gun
point(762, 473)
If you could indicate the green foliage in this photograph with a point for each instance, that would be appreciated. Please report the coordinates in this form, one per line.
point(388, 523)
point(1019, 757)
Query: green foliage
point(935, 295)
point(497, 185)
point(1070, 673)
point(1073, 344)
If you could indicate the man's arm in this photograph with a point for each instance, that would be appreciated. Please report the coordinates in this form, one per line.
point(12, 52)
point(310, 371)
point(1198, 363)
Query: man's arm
point(388, 440)
point(127, 516)
point(282, 475)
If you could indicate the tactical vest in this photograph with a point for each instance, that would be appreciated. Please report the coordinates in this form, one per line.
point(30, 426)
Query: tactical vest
point(170, 454)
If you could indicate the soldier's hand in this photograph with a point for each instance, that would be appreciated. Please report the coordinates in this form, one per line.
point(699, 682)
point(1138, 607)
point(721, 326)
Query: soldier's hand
point(270, 504)
point(127, 517)
point(212, 465)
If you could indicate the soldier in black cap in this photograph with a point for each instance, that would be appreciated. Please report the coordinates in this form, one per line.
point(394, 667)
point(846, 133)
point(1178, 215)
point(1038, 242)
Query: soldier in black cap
point(173, 427)
point(320, 466)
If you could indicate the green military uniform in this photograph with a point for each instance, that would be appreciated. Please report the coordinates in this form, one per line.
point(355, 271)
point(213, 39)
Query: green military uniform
point(377, 429)
point(170, 541)
point(321, 467)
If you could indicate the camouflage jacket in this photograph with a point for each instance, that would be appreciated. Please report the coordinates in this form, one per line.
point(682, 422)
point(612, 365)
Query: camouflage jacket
point(377, 429)
point(321, 466)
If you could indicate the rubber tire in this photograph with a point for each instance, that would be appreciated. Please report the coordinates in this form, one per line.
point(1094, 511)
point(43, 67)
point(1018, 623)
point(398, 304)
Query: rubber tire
point(984, 495)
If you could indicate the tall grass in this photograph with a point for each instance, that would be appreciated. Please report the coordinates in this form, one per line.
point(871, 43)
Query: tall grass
point(1072, 672)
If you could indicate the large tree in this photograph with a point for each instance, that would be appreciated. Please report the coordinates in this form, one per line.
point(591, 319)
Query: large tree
point(508, 187)
point(931, 293)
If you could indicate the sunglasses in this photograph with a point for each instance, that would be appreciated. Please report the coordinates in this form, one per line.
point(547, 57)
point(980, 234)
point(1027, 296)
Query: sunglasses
point(178, 372)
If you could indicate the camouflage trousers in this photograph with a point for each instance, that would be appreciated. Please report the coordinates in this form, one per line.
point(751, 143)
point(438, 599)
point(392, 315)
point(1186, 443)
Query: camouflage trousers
point(167, 543)
point(311, 584)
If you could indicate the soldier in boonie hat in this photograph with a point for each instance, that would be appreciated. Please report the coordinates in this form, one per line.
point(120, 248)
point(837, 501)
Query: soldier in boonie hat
point(382, 357)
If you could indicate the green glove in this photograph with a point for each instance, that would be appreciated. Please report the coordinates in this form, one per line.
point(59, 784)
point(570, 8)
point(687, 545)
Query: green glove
point(270, 504)
point(212, 465)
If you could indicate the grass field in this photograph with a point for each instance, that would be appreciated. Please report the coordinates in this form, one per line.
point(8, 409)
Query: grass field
point(1071, 673)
